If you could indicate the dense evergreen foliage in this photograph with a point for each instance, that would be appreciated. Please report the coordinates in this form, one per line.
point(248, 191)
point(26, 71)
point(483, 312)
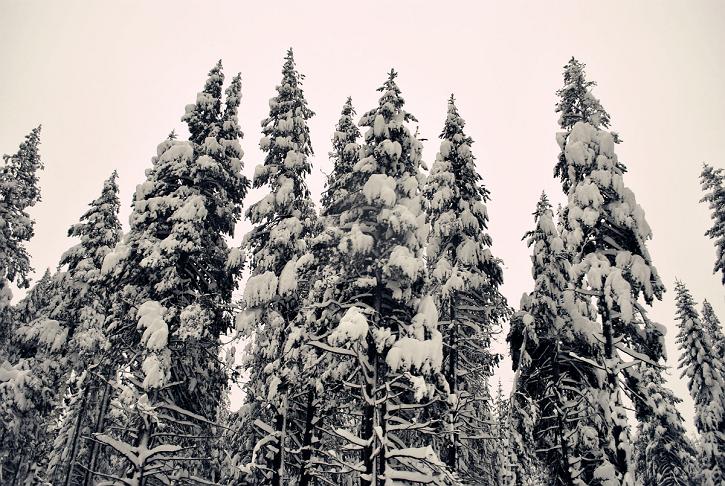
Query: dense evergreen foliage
point(363, 334)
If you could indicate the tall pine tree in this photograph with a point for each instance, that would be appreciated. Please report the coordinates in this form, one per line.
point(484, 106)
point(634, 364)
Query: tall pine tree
point(553, 388)
point(284, 219)
point(175, 275)
point(465, 277)
point(706, 376)
point(605, 234)
point(711, 180)
point(664, 455)
point(713, 329)
point(380, 325)
point(18, 191)
point(88, 356)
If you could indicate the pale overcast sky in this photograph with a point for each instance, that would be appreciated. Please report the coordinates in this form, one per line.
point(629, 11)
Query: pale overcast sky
point(109, 81)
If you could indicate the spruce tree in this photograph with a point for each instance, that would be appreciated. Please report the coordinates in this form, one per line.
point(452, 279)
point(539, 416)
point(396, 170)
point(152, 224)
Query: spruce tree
point(706, 376)
point(552, 388)
point(345, 151)
point(175, 275)
point(713, 329)
point(18, 191)
point(711, 180)
point(605, 234)
point(28, 382)
point(465, 277)
point(284, 219)
point(664, 455)
point(61, 340)
point(87, 354)
point(380, 326)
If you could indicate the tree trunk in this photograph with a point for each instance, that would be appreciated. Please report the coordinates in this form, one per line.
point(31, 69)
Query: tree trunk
point(563, 466)
point(452, 459)
point(619, 456)
point(370, 415)
point(98, 428)
point(76, 436)
point(307, 438)
point(278, 460)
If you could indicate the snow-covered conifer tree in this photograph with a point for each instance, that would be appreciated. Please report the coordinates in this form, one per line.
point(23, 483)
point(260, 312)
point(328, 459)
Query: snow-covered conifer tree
point(605, 234)
point(706, 379)
point(18, 191)
point(87, 355)
point(552, 388)
point(711, 180)
point(27, 384)
point(465, 277)
point(284, 219)
point(345, 151)
point(377, 321)
point(61, 340)
point(175, 274)
point(664, 454)
point(505, 462)
point(713, 329)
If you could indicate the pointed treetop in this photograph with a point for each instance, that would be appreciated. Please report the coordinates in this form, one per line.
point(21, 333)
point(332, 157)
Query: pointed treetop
point(202, 117)
point(98, 229)
point(391, 99)
point(711, 180)
point(344, 155)
point(542, 206)
point(453, 127)
point(345, 125)
point(110, 185)
point(685, 303)
point(288, 115)
point(713, 328)
point(230, 122)
point(576, 101)
point(347, 108)
point(290, 75)
point(711, 177)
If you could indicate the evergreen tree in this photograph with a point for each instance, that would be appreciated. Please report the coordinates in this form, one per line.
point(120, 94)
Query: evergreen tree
point(284, 219)
point(345, 151)
point(28, 383)
point(713, 329)
point(175, 275)
point(706, 376)
point(87, 354)
point(18, 191)
point(505, 464)
point(552, 389)
point(465, 277)
point(605, 234)
point(711, 180)
point(61, 341)
point(664, 455)
point(377, 321)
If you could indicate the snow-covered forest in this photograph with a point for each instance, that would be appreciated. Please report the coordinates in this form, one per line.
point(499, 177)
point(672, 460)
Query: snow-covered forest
point(361, 330)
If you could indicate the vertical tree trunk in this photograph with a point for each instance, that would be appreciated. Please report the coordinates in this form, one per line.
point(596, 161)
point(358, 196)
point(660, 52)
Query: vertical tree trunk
point(278, 460)
point(98, 428)
point(563, 466)
point(371, 417)
point(619, 456)
point(307, 438)
point(76, 436)
point(451, 458)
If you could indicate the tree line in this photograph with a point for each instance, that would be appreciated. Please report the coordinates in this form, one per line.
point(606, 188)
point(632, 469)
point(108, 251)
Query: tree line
point(365, 325)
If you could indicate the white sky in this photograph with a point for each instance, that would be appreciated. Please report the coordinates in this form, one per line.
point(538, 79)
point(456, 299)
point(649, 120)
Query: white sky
point(108, 81)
